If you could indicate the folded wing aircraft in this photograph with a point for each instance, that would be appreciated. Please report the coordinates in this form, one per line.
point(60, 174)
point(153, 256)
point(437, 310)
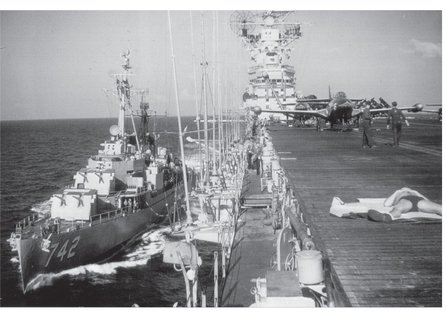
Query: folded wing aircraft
point(339, 109)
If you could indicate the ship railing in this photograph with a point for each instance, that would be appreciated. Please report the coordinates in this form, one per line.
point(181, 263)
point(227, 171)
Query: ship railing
point(292, 214)
point(128, 192)
point(118, 193)
point(106, 216)
point(113, 214)
point(288, 67)
point(137, 189)
point(131, 191)
point(26, 222)
point(255, 68)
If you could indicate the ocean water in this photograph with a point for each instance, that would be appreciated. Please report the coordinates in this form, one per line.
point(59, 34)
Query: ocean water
point(40, 157)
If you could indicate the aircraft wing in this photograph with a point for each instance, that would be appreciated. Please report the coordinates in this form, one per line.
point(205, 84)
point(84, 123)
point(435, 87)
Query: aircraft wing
point(314, 100)
point(415, 108)
point(297, 112)
point(325, 100)
point(433, 110)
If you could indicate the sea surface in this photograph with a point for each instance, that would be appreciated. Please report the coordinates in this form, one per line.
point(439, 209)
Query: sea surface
point(40, 157)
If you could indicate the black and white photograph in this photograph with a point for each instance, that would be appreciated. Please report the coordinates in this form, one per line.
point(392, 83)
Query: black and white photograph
point(265, 155)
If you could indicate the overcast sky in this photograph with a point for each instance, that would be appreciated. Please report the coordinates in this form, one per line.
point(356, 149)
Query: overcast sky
point(56, 64)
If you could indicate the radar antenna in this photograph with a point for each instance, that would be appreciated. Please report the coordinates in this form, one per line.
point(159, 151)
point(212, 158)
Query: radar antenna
point(279, 16)
point(242, 22)
point(125, 56)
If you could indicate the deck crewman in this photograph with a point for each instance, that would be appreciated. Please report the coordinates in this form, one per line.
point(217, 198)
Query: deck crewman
point(396, 116)
point(367, 138)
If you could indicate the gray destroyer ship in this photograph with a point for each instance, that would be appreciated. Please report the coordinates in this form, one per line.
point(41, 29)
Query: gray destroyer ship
point(125, 188)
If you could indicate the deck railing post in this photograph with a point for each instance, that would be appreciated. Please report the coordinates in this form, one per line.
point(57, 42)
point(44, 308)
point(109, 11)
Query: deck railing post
point(195, 290)
point(223, 261)
point(186, 279)
point(203, 299)
point(215, 279)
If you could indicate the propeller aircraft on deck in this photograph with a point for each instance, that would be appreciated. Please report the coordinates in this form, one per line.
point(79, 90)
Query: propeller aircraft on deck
point(336, 110)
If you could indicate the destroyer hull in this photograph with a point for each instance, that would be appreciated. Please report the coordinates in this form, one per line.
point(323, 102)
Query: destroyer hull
point(88, 245)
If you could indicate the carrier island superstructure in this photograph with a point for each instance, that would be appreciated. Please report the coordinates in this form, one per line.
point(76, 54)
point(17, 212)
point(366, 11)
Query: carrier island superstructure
point(271, 80)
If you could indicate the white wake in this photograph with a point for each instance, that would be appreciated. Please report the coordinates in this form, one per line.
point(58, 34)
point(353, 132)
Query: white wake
point(42, 208)
point(152, 243)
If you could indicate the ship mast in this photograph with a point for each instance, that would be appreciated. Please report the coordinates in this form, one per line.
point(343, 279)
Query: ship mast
point(219, 103)
point(124, 93)
point(214, 157)
point(180, 133)
point(123, 87)
point(196, 98)
point(143, 113)
point(204, 64)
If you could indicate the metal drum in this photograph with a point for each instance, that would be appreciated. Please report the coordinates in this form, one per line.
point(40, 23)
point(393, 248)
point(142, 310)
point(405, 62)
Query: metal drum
point(309, 267)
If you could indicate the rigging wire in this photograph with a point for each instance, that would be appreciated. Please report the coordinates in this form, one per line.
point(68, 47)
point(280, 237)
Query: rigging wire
point(195, 91)
point(177, 101)
point(214, 73)
point(109, 103)
point(204, 76)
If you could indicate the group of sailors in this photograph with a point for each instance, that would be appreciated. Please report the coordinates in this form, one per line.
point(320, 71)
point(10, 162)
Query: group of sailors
point(234, 158)
point(253, 154)
point(50, 227)
point(255, 142)
point(130, 204)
